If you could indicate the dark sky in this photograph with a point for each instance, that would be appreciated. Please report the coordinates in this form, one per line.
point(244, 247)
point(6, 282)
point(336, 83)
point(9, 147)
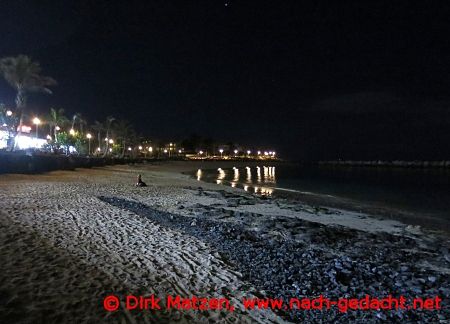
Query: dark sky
point(314, 80)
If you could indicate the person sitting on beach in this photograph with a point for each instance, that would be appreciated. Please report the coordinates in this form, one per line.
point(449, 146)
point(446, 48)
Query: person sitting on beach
point(140, 183)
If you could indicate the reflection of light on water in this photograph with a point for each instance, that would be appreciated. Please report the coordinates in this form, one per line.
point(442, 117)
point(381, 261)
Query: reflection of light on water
point(236, 174)
point(263, 191)
point(269, 179)
point(221, 174)
point(199, 174)
point(272, 174)
point(269, 174)
point(266, 173)
point(249, 174)
point(266, 191)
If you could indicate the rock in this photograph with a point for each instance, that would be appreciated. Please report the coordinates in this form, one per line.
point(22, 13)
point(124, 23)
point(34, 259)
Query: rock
point(404, 268)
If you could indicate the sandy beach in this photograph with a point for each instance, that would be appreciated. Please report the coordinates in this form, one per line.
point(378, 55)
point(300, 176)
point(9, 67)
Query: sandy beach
point(70, 238)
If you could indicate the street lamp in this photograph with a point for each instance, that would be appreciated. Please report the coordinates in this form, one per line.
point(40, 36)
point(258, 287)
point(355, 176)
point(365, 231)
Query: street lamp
point(111, 141)
point(221, 152)
point(9, 113)
point(140, 147)
point(72, 132)
point(89, 136)
point(36, 121)
point(235, 152)
point(248, 152)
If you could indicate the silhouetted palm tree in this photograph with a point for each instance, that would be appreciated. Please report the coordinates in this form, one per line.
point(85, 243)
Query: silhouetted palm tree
point(125, 133)
point(75, 117)
point(108, 123)
point(24, 75)
point(82, 122)
point(99, 128)
point(56, 118)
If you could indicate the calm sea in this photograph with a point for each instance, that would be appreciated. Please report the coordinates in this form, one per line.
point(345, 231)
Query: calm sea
point(416, 196)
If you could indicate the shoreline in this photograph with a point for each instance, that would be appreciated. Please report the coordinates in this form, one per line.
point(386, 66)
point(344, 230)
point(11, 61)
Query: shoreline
point(181, 237)
point(427, 222)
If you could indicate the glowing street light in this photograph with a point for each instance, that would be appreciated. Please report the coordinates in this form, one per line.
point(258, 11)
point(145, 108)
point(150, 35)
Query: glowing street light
point(221, 152)
point(9, 113)
point(235, 152)
point(72, 132)
point(36, 121)
point(259, 152)
point(150, 149)
point(200, 152)
point(89, 136)
point(140, 148)
point(248, 152)
point(111, 141)
point(129, 148)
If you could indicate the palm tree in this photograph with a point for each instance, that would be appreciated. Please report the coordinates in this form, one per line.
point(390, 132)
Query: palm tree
point(74, 119)
point(99, 128)
point(24, 75)
point(124, 133)
point(108, 123)
point(82, 122)
point(56, 118)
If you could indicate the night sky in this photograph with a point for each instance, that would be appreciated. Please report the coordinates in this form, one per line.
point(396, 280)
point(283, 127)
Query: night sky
point(313, 80)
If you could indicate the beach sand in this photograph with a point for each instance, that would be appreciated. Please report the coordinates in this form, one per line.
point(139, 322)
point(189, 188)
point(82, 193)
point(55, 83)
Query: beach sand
point(70, 238)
